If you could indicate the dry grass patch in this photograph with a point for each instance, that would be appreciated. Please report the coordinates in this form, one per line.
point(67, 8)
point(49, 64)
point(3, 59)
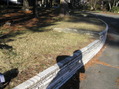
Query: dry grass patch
point(80, 23)
point(33, 48)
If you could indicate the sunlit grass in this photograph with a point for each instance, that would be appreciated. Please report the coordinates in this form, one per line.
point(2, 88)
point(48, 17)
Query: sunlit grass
point(31, 48)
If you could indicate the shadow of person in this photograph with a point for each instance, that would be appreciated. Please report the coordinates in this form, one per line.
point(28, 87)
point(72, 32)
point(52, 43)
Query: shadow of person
point(9, 75)
point(70, 73)
point(74, 81)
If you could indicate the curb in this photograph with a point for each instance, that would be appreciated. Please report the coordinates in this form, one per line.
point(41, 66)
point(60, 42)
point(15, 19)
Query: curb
point(55, 76)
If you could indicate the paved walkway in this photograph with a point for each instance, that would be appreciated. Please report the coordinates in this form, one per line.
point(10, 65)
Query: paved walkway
point(106, 76)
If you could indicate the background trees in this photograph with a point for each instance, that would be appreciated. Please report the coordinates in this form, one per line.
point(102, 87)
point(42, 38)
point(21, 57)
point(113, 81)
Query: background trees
point(64, 8)
point(103, 4)
point(65, 5)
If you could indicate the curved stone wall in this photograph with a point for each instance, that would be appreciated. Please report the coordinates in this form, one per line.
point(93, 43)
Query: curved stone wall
point(56, 75)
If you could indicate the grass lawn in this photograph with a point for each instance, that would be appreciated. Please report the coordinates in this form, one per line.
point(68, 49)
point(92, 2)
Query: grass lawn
point(30, 49)
point(79, 22)
point(32, 52)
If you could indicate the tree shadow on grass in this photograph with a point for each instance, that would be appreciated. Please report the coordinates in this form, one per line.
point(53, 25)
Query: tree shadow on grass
point(8, 9)
point(7, 38)
point(86, 18)
point(72, 81)
point(5, 46)
point(16, 19)
point(20, 17)
point(44, 20)
point(28, 21)
point(37, 25)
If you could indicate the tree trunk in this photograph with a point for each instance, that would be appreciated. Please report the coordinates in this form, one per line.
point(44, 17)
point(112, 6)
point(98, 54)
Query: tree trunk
point(102, 5)
point(91, 5)
point(51, 3)
point(25, 5)
point(114, 3)
point(110, 7)
point(35, 8)
point(47, 4)
point(64, 9)
point(94, 5)
point(117, 3)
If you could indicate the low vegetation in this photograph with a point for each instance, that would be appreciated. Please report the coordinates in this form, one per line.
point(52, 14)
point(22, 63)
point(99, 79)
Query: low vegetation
point(30, 49)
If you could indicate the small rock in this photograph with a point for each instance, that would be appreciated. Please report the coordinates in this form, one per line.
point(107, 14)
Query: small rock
point(7, 24)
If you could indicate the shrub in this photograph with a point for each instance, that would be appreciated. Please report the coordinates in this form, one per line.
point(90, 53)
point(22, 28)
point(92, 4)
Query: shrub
point(115, 9)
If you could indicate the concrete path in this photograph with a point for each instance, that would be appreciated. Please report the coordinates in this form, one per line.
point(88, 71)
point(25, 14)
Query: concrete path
point(106, 76)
